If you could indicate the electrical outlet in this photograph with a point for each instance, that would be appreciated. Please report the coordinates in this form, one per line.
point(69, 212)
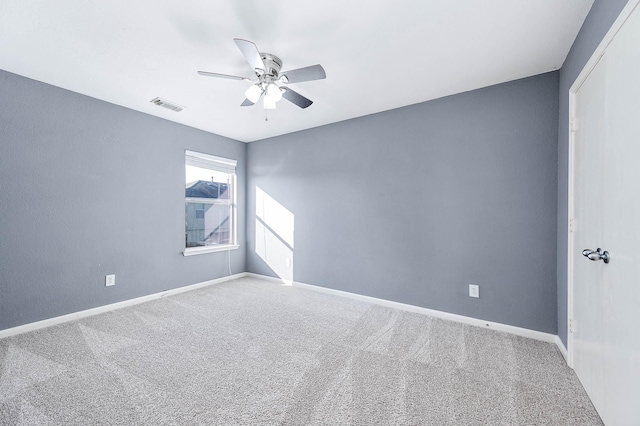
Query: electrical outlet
point(474, 290)
point(288, 262)
point(110, 280)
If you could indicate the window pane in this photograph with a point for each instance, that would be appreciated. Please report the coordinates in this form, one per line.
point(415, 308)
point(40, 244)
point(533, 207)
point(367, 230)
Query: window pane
point(207, 224)
point(205, 183)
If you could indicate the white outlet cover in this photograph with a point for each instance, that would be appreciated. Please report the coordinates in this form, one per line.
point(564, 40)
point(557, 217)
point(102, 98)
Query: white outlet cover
point(474, 290)
point(110, 280)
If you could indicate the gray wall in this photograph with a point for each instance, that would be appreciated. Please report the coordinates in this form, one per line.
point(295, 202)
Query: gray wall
point(88, 188)
point(596, 25)
point(78, 203)
point(414, 204)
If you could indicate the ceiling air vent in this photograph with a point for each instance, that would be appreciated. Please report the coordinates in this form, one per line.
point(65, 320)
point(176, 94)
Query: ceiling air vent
point(166, 104)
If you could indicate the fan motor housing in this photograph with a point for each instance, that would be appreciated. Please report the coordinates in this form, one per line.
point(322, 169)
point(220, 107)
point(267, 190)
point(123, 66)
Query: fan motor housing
point(272, 64)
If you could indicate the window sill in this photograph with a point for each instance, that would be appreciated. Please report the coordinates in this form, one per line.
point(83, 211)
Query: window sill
point(210, 249)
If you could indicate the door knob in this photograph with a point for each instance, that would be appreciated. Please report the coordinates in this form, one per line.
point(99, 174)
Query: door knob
point(598, 254)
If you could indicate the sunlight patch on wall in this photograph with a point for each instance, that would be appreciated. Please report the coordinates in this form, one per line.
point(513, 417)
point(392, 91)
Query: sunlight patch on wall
point(274, 235)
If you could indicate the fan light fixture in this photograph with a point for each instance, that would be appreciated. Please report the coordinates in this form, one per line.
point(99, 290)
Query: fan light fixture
point(253, 93)
point(269, 103)
point(274, 92)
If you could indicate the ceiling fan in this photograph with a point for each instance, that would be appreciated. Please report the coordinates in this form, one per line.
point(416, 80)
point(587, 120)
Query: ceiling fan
point(268, 77)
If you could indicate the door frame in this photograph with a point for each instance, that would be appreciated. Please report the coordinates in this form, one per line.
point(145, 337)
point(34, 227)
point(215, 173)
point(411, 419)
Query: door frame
point(573, 126)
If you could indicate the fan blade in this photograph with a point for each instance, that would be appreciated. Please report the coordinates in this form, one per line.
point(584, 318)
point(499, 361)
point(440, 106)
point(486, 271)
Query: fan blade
point(314, 72)
point(296, 98)
point(247, 102)
point(215, 74)
point(250, 53)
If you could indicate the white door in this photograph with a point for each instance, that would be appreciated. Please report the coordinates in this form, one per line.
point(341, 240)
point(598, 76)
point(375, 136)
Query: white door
point(605, 342)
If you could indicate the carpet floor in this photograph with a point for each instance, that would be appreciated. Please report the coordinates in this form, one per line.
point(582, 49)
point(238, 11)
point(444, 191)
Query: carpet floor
point(252, 352)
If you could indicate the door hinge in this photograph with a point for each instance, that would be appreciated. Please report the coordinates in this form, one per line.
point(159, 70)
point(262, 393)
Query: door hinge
point(572, 225)
point(575, 124)
point(572, 326)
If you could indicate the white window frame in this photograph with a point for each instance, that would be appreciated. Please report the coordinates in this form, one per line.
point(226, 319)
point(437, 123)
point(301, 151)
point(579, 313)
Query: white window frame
point(224, 165)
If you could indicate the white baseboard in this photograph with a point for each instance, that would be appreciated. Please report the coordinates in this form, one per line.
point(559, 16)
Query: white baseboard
point(106, 308)
point(518, 331)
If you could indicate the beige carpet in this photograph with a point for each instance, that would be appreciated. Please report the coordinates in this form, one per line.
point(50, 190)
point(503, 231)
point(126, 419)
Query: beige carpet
point(251, 352)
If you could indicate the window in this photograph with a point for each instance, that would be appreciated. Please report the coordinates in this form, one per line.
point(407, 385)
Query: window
point(209, 203)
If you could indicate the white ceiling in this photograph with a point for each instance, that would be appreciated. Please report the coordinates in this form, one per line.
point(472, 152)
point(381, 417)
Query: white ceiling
point(378, 55)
